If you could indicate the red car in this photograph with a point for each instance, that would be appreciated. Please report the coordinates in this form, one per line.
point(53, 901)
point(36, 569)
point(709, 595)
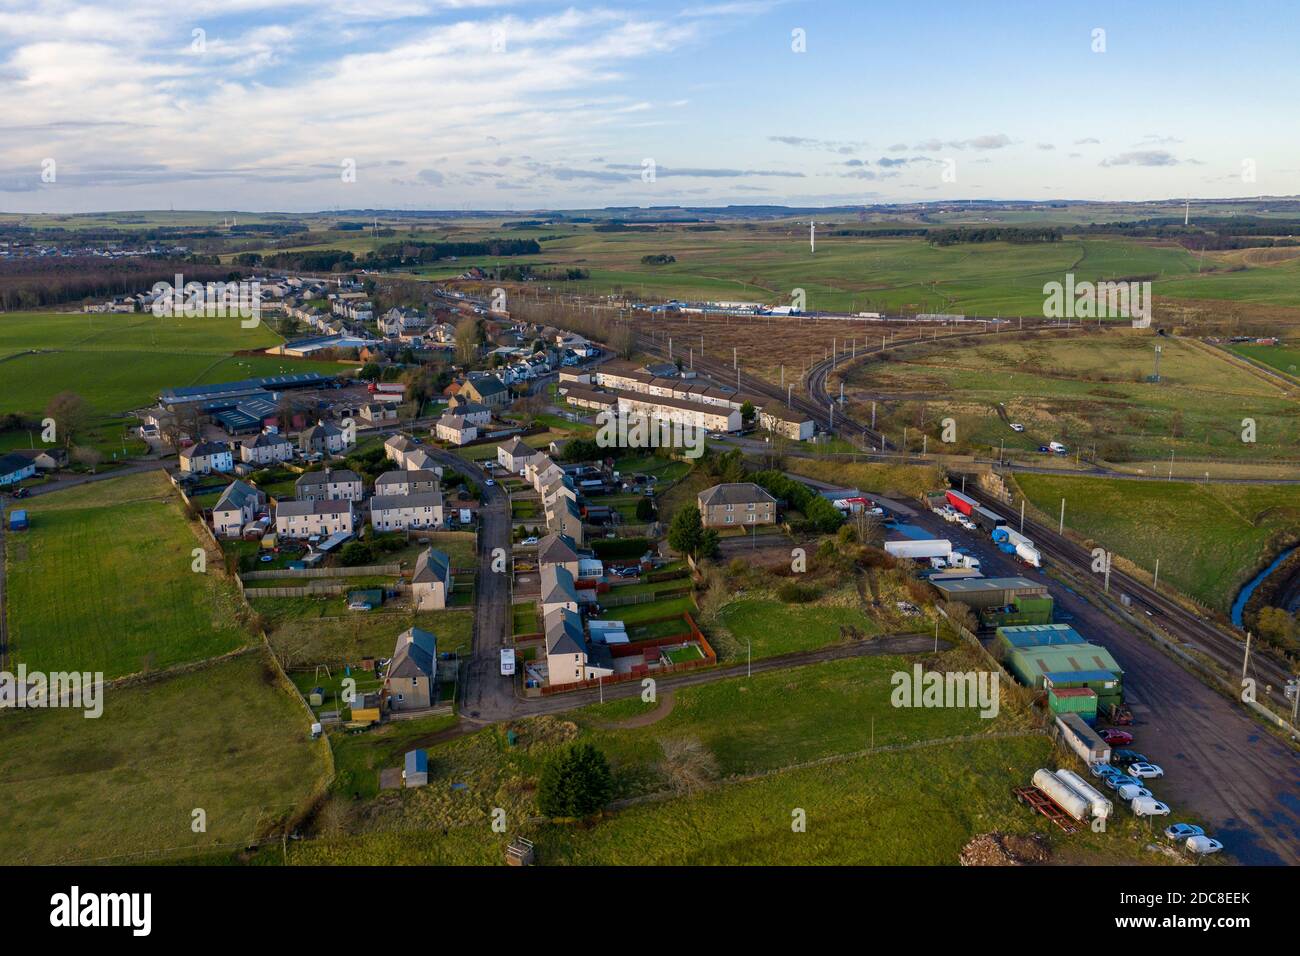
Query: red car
point(1115, 737)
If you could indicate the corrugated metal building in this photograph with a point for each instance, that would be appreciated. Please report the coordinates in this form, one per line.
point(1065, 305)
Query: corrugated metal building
point(981, 593)
point(1014, 636)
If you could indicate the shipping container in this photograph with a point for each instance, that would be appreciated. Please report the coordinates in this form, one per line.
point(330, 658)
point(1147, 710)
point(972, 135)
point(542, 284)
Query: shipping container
point(1073, 700)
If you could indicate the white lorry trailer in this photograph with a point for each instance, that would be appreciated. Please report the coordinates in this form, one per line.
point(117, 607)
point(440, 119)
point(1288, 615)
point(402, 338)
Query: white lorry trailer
point(920, 549)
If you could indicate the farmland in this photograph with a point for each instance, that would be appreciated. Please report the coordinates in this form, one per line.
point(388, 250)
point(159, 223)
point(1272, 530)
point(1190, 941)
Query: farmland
point(1208, 537)
point(121, 362)
point(1087, 391)
point(228, 739)
point(103, 581)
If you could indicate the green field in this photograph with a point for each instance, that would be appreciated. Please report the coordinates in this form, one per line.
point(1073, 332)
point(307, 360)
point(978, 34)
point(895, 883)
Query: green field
point(120, 362)
point(1280, 357)
point(774, 628)
point(228, 739)
point(1089, 391)
point(102, 581)
point(1209, 537)
point(312, 630)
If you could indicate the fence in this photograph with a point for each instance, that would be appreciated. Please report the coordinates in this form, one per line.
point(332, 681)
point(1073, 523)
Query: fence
point(356, 572)
point(640, 671)
point(614, 600)
point(310, 590)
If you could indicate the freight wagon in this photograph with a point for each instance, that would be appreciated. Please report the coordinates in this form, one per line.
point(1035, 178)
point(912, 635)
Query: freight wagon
point(987, 520)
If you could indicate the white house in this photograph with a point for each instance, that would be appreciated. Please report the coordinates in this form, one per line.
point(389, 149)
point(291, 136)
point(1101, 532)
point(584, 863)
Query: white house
point(514, 455)
point(557, 589)
point(237, 506)
point(569, 657)
point(431, 583)
point(206, 457)
point(268, 448)
point(302, 519)
point(455, 429)
point(410, 482)
point(406, 512)
point(332, 483)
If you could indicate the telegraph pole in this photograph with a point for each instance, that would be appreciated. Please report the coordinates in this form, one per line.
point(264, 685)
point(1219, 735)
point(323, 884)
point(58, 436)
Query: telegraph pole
point(1061, 529)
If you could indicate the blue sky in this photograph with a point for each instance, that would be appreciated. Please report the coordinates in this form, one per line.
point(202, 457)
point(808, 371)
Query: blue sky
point(272, 104)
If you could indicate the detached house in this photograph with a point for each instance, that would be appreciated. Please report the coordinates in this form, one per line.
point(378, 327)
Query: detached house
point(268, 448)
point(408, 685)
point(323, 438)
point(736, 503)
point(302, 519)
point(477, 415)
point(238, 505)
point(332, 483)
point(431, 583)
point(486, 390)
point(206, 457)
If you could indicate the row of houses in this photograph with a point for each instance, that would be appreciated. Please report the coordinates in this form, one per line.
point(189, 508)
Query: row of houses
point(265, 449)
point(571, 656)
point(662, 391)
point(559, 496)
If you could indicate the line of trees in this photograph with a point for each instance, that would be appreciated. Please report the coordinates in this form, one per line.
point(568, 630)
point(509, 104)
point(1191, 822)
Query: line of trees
point(45, 281)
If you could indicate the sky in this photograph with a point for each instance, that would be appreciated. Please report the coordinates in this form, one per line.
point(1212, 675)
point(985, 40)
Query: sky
point(305, 105)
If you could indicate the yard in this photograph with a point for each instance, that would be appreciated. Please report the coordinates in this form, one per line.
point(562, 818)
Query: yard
point(229, 740)
point(772, 627)
point(103, 581)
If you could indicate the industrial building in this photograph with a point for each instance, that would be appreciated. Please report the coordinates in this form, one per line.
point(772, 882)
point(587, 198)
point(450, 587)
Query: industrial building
point(981, 593)
point(1069, 666)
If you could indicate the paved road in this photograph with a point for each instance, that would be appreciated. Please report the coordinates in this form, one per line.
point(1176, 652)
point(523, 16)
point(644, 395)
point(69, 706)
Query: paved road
point(1221, 767)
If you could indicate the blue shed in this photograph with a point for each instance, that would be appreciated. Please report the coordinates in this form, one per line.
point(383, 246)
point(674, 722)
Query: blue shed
point(416, 773)
point(18, 521)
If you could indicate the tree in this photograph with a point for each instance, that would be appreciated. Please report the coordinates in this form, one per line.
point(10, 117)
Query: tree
point(645, 509)
point(69, 412)
point(90, 457)
point(468, 337)
point(356, 553)
point(747, 413)
point(687, 534)
point(576, 783)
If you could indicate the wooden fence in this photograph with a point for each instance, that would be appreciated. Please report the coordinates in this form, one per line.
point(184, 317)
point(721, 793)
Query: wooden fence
point(360, 571)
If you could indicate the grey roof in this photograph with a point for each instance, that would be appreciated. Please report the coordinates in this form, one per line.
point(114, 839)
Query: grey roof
point(734, 493)
point(564, 633)
point(428, 499)
point(557, 585)
point(515, 448)
point(266, 440)
point(12, 463)
point(330, 475)
point(487, 385)
point(455, 421)
point(400, 442)
point(414, 654)
point(556, 549)
point(236, 496)
point(323, 506)
point(405, 477)
point(990, 584)
point(432, 566)
point(203, 449)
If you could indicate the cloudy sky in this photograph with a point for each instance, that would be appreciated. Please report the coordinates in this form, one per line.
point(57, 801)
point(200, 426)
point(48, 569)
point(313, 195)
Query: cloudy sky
point(490, 104)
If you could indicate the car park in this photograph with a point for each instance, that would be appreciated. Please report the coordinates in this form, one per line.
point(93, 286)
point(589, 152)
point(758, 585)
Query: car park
point(1182, 831)
point(1202, 845)
point(1145, 771)
point(1148, 807)
point(1131, 791)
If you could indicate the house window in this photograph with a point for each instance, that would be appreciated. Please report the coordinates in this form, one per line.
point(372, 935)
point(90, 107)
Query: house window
point(730, 519)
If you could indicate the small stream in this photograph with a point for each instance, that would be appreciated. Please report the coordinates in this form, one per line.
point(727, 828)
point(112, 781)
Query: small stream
point(1239, 605)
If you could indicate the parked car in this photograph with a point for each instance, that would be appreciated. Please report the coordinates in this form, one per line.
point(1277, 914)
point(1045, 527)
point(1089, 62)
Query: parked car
point(1148, 807)
point(1203, 845)
point(1117, 780)
point(1122, 757)
point(1101, 769)
point(961, 520)
point(1043, 448)
point(1115, 737)
point(529, 540)
point(1017, 427)
point(1131, 791)
point(489, 482)
point(1145, 771)
point(1181, 831)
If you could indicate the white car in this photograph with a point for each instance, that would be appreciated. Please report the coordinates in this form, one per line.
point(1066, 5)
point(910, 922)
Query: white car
point(531, 540)
point(1148, 807)
point(489, 482)
point(1202, 845)
point(1144, 771)
point(1017, 427)
point(966, 523)
point(939, 511)
point(1131, 791)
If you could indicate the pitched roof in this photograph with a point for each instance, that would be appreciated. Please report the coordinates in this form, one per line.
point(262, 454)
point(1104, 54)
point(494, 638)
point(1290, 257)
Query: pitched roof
point(236, 496)
point(427, 499)
point(266, 440)
point(557, 585)
point(516, 448)
point(310, 479)
point(414, 654)
point(431, 567)
point(399, 442)
point(203, 449)
point(564, 632)
point(406, 477)
point(556, 549)
point(321, 506)
point(734, 493)
point(487, 385)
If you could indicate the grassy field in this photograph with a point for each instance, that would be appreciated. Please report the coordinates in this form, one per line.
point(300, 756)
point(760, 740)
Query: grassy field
point(1280, 357)
point(312, 630)
point(228, 739)
point(774, 628)
point(102, 581)
point(1209, 537)
point(906, 481)
point(120, 362)
point(1084, 391)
